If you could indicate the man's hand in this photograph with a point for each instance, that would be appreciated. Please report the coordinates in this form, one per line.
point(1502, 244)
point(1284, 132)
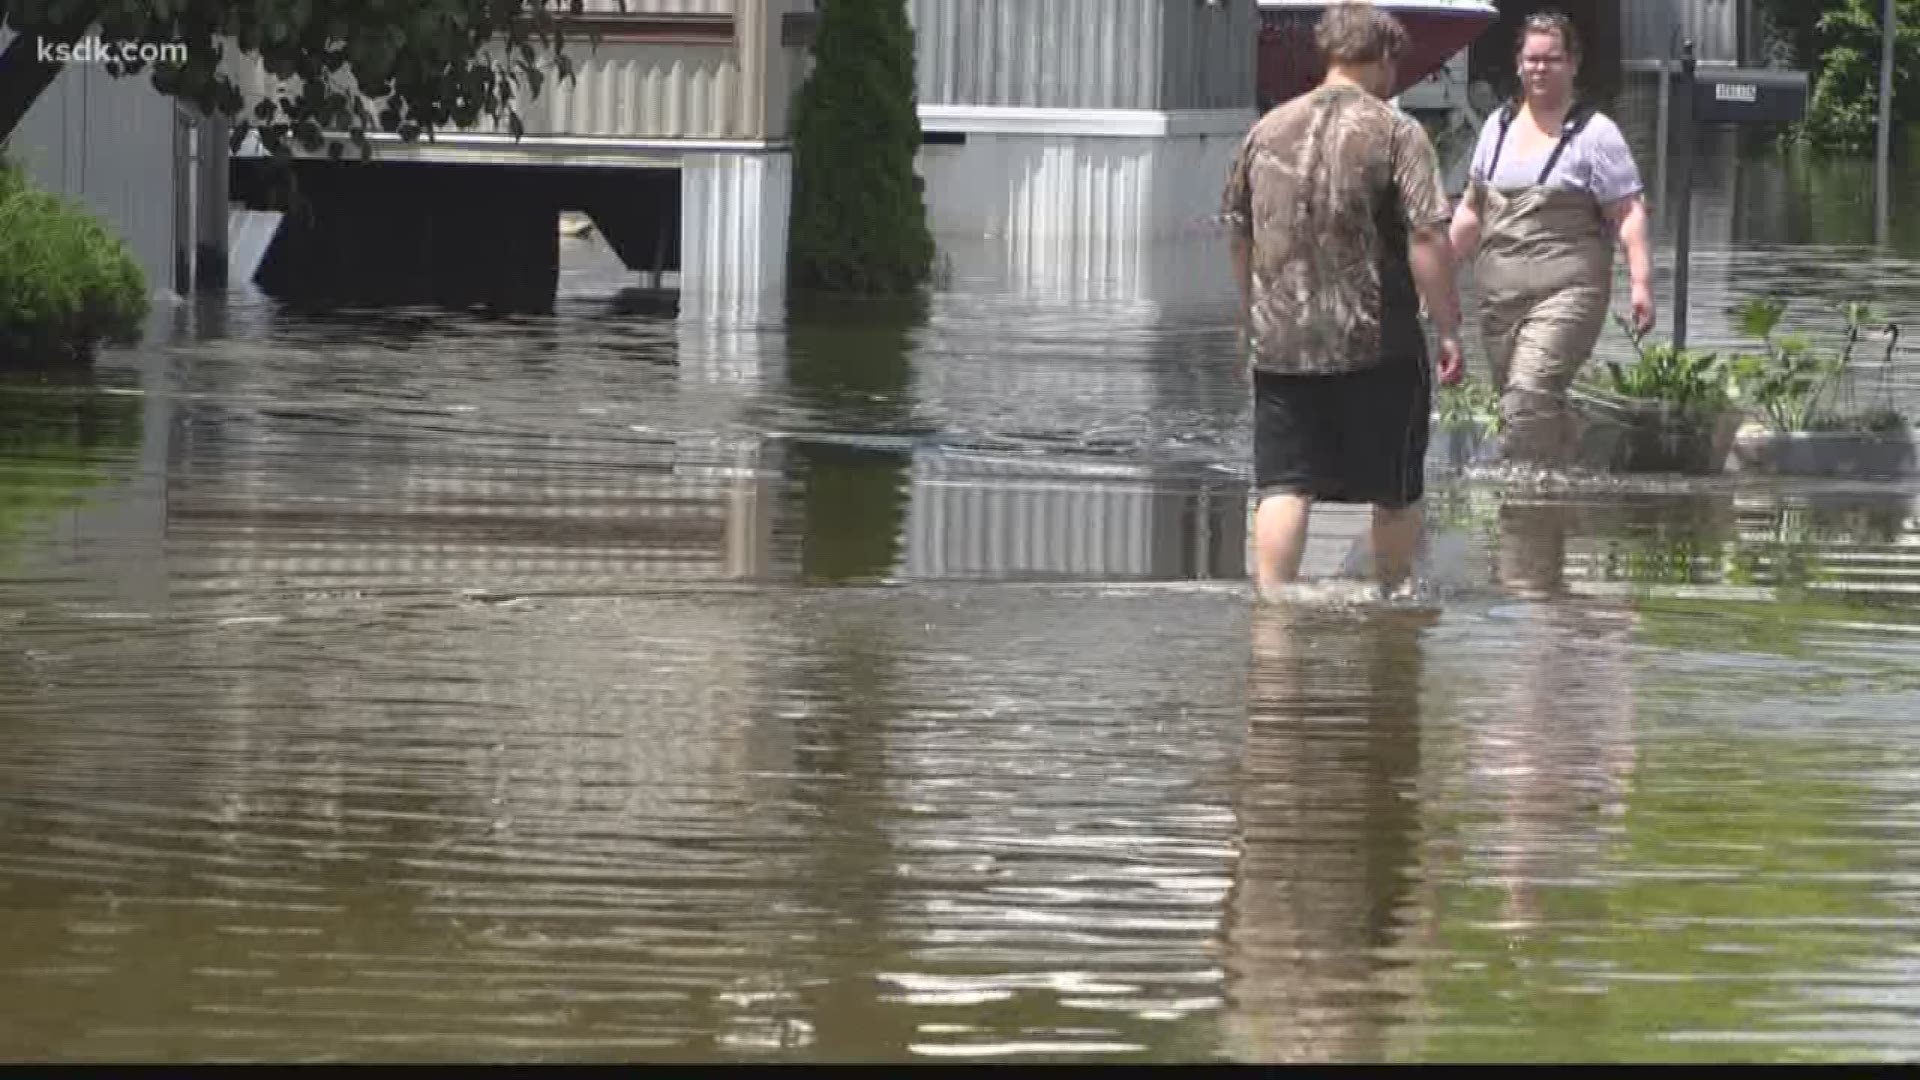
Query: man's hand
point(1452, 361)
point(1432, 259)
point(1642, 308)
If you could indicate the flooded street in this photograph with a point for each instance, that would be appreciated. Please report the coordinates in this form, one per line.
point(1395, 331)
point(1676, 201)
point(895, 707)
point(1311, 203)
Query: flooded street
point(887, 686)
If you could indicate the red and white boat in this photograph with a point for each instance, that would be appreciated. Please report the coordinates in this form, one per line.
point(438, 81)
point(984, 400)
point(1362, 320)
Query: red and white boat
point(1290, 64)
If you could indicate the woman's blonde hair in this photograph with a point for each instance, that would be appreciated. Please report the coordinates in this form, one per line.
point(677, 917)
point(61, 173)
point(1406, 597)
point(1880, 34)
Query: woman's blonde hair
point(1556, 23)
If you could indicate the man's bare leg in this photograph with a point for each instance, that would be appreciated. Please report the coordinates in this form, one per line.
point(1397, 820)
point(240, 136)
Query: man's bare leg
point(1396, 543)
point(1280, 540)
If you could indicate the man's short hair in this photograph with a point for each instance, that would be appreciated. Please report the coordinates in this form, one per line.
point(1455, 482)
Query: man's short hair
point(1356, 32)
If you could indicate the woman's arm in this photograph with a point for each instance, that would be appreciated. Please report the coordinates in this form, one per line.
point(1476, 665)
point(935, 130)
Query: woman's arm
point(1629, 219)
point(1618, 186)
point(1465, 232)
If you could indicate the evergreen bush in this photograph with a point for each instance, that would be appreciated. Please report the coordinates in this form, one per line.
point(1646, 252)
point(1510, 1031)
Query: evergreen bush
point(859, 219)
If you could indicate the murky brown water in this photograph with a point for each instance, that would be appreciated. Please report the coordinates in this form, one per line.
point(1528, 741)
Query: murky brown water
point(605, 687)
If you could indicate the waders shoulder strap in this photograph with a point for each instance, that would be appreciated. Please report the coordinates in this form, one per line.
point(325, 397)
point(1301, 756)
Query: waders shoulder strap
point(1506, 121)
point(1576, 121)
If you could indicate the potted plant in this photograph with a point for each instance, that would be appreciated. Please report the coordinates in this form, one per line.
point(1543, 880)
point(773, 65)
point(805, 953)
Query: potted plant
point(1671, 411)
point(1808, 420)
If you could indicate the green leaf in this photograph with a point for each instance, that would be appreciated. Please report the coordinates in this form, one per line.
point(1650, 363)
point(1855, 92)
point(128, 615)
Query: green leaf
point(1859, 314)
point(1760, 317)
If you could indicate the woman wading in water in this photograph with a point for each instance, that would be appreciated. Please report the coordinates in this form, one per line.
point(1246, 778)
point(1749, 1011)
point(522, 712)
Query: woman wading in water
point(1553, 189)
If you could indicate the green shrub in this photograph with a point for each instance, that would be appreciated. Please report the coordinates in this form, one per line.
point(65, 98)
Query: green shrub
point(67, 285)
point(1839, 42)
point(859, 220)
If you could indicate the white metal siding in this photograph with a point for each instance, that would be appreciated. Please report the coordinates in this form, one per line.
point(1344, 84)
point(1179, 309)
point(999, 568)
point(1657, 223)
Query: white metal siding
point(1208, 55)
point(661, 91)
point(620, 89)
point(733, 230)
point(659, 7)
point(1042, 186)
point(1039, 53)
point(644, 90)
point(1712, 25)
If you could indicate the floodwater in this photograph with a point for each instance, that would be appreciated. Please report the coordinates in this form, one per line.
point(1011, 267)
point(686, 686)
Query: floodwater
point(886, 686)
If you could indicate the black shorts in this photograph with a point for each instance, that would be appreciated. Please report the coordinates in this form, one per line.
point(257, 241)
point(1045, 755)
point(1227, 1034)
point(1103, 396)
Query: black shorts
point(1357, 437)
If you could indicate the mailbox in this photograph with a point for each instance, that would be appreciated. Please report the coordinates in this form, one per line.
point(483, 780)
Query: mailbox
point(1744, 97)
point(1749, 96)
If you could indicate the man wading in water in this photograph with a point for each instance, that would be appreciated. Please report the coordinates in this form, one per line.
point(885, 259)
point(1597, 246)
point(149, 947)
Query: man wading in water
point(1340, 231)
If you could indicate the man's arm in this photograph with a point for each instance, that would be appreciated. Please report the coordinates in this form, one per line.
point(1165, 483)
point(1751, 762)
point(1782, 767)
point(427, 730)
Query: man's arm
point(1432, 260)
point(1433, 273)
point(1417, 171)
point(1243, 269)
point(1242, 245)
point(1237, 210)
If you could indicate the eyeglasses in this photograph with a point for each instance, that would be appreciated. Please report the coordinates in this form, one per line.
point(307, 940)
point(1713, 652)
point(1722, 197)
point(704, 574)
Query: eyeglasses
point(1552, 60)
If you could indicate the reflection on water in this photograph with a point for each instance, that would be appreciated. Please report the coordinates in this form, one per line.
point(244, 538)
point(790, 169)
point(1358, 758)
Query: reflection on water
point(60, 438)
point(885, 685)
point(1317, 927)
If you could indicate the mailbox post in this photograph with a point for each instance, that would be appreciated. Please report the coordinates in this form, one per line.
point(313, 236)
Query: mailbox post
point(1742, 97)
point(1683, 221)
point(1882, 192)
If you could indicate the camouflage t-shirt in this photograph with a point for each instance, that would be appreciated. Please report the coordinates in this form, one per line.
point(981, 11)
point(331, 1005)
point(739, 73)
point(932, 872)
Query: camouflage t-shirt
point(1329, 186)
